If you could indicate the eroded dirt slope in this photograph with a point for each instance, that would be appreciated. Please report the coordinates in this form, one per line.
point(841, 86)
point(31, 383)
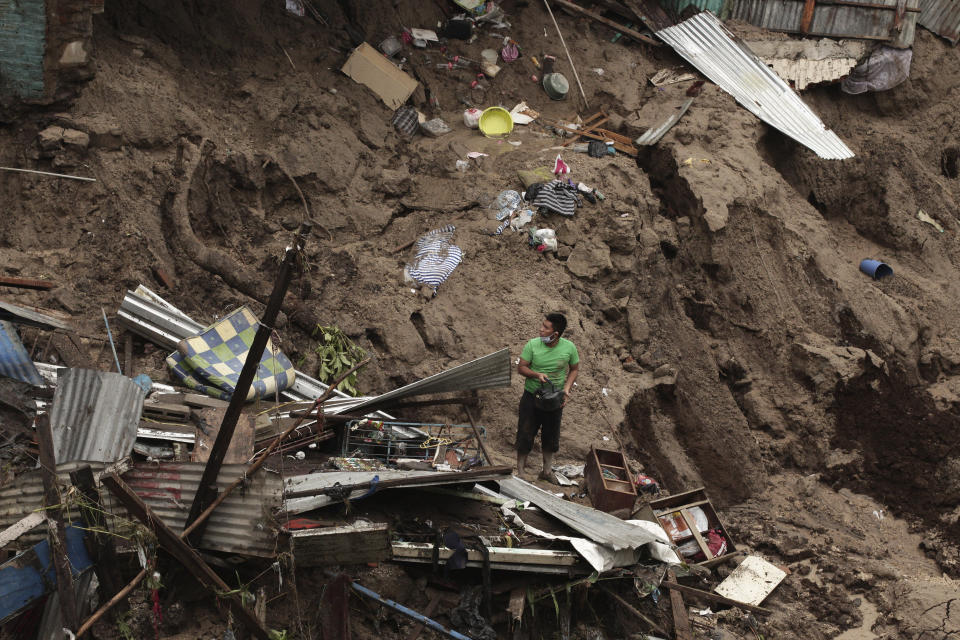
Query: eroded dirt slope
point(727, 335)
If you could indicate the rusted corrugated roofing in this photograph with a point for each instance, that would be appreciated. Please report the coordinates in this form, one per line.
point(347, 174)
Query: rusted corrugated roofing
point(942, 17)
point(706, 44)
point(240, 525)
point(94, 416)
point(874, 20)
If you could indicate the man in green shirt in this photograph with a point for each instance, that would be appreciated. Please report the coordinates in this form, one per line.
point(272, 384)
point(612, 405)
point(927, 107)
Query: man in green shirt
point(546, 357)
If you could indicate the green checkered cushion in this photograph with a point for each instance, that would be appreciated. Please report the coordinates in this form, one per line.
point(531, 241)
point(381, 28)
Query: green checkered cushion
point(211, 362)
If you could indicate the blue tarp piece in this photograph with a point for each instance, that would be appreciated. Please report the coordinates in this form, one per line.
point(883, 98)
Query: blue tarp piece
point(30, 575)
point(15, 362)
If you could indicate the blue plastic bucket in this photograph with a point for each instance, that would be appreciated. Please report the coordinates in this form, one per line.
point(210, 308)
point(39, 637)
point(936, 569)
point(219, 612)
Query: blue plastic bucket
point(875, 269)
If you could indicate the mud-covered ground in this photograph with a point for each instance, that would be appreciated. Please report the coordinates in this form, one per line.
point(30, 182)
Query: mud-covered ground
point(726, 334)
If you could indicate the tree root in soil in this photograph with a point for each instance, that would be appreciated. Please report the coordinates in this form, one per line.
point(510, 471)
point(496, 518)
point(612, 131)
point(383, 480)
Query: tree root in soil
point(190, 160)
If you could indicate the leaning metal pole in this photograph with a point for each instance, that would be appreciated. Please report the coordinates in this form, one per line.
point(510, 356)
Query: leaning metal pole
point(207, 491)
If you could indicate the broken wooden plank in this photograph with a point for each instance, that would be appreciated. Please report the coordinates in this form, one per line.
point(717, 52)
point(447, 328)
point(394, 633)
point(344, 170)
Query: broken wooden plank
point(17, 529)
point(182, 552)
point(355, 543)
point(681, 620)
point(208, 420)
point(100, 545)
point(628, 607)
point(191, 400)
point(408, 612)
point(712, 597)
point(752, 581)
point(57, 527)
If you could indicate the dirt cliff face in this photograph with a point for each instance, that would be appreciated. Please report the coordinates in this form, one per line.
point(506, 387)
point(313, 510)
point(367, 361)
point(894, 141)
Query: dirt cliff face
point(727, 337)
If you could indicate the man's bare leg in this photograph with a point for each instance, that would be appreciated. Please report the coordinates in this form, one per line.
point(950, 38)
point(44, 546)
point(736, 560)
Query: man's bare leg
point(547, 472)
point(521, 463)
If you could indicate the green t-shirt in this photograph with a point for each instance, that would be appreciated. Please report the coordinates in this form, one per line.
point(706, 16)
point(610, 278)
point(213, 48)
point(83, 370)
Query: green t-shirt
point(553, 361)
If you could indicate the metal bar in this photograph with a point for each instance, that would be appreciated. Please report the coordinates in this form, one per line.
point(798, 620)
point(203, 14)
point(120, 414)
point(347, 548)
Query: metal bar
point(47, 173)
point(207, 491)
point(27, 283)
point(113, 347)
point(58, 535)
point(476, 433)
point(183, 553)
point(431, 403)
point(410, 613)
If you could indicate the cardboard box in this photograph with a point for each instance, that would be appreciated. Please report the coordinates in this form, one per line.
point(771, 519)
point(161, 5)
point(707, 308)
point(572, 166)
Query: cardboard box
point(370, 68)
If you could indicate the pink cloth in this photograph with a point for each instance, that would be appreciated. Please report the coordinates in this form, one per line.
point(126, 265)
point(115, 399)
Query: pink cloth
point(560, 167)
point(510, 52)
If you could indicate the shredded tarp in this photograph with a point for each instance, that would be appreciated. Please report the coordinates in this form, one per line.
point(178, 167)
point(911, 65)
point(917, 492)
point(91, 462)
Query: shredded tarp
point(884, 69)
point(436, 257)
point(211, 362)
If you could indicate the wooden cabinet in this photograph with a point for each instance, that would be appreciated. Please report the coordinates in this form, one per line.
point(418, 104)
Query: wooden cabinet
point(609, 484)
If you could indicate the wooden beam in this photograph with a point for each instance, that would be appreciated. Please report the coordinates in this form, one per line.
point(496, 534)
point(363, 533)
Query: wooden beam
point(628, 607)
point(807, 18)
point(99, 545)
point(476, 434)
point(355, 543)
point(69, 613)
point(713, 597)
point(596, 17)
point(22, 526)
point(182, 552)
point(681, 620)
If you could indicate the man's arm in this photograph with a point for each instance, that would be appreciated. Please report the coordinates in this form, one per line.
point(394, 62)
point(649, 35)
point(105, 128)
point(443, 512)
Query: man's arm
point(571, 378)
point(523, 368)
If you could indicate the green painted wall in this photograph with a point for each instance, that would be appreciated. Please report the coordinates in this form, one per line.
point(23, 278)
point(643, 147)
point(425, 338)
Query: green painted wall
point(23, 31)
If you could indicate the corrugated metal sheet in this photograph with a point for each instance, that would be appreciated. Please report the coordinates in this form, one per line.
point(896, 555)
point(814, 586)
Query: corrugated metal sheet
point(706, 44)
point(316, 481)
point(653, 135)
point(31, 316)
point(835, 19)
point(942, 17)
point(598, 526)
point(94, 415)
point(15, 362)
point(240, 525)
point(490, 371)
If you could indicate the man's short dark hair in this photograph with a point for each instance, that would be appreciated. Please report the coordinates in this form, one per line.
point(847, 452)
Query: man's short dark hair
point(558, 321)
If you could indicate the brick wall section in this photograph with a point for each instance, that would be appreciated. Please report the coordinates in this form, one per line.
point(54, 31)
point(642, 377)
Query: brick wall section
point(34, 34)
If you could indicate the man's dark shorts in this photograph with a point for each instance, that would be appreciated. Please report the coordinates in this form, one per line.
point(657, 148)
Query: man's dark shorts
point(531, 421)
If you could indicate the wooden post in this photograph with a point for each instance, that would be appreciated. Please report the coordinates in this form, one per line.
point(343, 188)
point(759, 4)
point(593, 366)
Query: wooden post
point(128, 354)
point(99, 545)
point(476, 434)
point(807, 19)
point(207, 490)
point(58, 530)
point(681, 621)
point(182, 552)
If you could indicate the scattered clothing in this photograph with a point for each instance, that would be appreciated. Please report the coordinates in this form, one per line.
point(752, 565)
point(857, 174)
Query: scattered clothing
point(884, 69)
point(560, 167)
point(558, 197)
point(436, 257)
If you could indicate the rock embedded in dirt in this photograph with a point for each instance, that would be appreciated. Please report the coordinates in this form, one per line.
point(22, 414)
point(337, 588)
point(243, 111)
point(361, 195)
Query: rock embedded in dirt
point(589, 259)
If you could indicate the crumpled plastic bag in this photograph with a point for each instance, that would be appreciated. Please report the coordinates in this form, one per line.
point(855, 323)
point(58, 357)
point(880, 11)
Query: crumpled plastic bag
point(884, 69)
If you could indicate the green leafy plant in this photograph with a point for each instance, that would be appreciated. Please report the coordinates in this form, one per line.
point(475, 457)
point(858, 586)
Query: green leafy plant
point(337, 354)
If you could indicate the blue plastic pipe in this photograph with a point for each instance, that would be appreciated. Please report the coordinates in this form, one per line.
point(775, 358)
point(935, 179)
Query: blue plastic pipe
point(410, 613)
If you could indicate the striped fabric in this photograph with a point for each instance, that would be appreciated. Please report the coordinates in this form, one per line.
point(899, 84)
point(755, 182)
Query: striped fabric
point(558, 197)
point(436, 257)
point(15, 362)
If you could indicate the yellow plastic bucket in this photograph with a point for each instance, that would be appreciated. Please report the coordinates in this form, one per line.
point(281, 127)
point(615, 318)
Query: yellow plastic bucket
point(496, 122)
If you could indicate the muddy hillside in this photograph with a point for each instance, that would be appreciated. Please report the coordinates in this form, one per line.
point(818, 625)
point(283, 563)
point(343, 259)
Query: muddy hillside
point(728, 338)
